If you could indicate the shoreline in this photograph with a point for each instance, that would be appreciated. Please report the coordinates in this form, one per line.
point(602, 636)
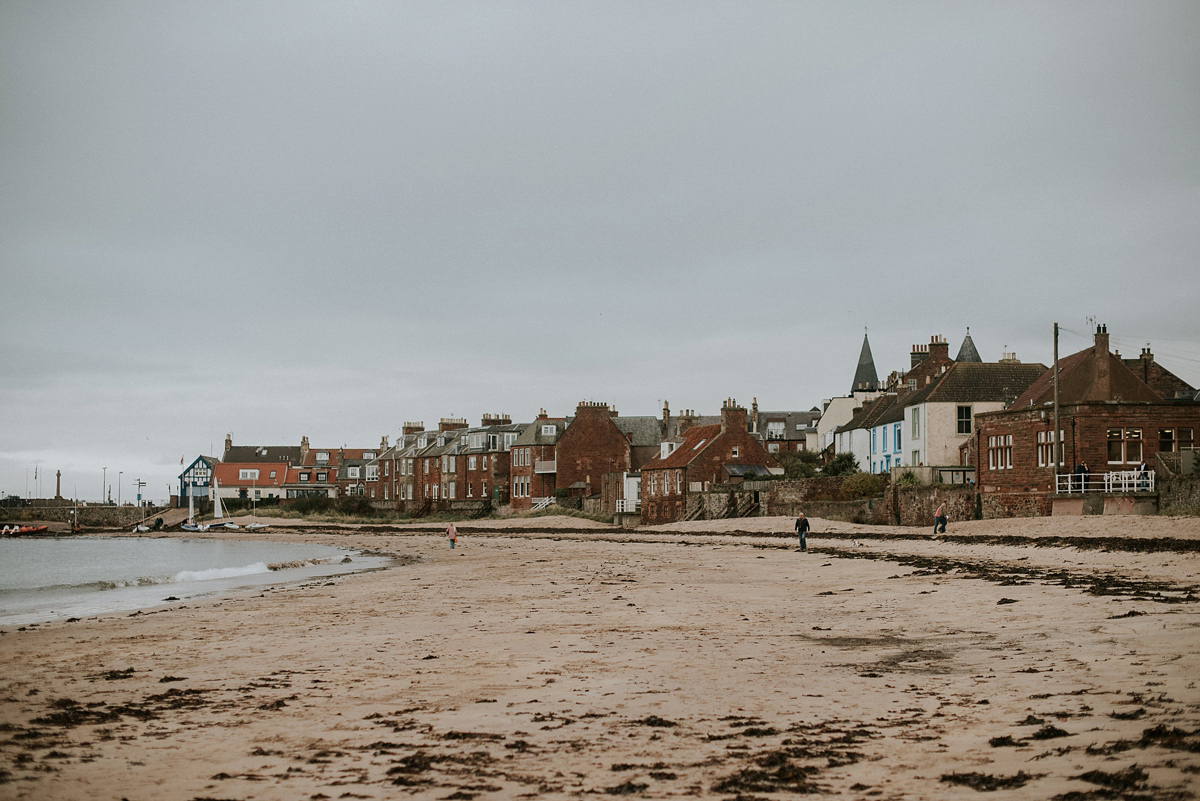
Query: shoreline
point(654, 664)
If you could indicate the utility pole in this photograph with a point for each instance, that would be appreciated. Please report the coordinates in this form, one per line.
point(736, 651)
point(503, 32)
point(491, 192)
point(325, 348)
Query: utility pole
point(1057, 440)
point(104, 485)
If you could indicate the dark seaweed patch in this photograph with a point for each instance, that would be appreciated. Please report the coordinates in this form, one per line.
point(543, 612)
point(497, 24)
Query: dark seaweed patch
point(986, 783)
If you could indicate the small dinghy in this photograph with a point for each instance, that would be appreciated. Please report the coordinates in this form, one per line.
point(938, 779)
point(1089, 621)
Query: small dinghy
point(23, 531)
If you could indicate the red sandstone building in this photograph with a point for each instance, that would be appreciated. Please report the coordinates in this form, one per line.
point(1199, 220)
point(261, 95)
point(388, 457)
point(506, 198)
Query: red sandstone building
point(703, 456)
point(533, 465)
point(1109, 418)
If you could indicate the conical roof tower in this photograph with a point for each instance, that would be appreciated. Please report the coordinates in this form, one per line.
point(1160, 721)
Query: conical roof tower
point(967, 352)
point(865, 377)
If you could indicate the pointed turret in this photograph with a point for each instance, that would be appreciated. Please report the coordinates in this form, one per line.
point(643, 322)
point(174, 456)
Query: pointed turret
point(967, 352)
point(865, 377)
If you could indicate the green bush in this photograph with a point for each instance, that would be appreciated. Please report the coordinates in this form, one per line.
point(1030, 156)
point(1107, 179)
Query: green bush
point(356, 505)
point(843, 464)
point(862, 485)
point(803, 464)
point(908, 479)
point(310, 504)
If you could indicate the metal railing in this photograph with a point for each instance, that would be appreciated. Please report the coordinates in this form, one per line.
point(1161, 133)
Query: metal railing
point(627, 506)
point(542, 503)
point(545, 466)
point(1114, 481)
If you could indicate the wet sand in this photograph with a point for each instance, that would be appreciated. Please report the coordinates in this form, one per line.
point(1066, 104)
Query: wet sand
point(1043, 658)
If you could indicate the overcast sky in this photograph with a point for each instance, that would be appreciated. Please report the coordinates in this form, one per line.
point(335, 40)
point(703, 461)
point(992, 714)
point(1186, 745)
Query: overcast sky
point(281, 219)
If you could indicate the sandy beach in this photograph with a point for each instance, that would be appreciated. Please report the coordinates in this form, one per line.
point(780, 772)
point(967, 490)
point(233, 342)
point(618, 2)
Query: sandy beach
point(555, 658)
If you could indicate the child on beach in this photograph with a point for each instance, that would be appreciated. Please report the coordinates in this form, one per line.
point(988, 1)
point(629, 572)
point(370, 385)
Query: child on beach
point(452, 533)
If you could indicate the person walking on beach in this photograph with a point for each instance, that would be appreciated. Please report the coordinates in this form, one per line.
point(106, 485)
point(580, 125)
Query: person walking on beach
point(452, 533)
point(939, 519)
point(802, 529)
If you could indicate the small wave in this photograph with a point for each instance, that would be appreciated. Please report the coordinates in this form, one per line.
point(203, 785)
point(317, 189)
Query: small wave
point(296, 563)
point(140, 581)
point(220, 572)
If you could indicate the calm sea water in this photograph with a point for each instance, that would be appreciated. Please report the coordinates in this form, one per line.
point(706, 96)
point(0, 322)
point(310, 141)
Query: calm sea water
point(50, 579)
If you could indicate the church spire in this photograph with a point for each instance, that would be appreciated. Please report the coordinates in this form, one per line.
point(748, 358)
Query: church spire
point(967, 352)
point(865, 377)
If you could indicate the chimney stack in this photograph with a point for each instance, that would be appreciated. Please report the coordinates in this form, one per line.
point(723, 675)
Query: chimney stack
point(939, 348)
point(412, 428)
point(1103, 387)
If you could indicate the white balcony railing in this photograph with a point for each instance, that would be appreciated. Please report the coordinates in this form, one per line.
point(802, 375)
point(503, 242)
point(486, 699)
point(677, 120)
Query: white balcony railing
point(626, 506)
point(1115, 481)
point(542, 503)
point(545, 466)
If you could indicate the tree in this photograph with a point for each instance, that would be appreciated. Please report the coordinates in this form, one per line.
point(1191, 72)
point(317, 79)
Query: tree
point(842, 464)
point(803, 464)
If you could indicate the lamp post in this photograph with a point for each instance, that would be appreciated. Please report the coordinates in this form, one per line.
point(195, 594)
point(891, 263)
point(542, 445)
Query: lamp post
point(104, 485)
point(119, 474)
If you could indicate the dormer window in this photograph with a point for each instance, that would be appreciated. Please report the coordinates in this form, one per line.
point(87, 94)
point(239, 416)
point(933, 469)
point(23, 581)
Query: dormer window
point(368, 454)
point(548, 431)
point(322, 456)
point(735, 451)
point(666, 449)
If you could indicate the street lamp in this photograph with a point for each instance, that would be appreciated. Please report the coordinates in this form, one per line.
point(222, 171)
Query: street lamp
point(119, 474)
point(104, 485)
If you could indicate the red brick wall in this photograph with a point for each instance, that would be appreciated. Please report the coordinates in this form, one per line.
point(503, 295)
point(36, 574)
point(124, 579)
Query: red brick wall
point(1025, 490)
point(657, 507)
point(591, 446)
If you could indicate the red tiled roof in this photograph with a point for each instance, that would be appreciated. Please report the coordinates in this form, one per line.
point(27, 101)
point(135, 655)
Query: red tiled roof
point(227, 474)
point(694, 441)
point(293, 475)
point(1077, 382)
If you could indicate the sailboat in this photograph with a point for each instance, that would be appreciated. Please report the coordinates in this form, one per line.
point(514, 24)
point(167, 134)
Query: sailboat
point(141, 527)
point(191, 525)
point(219, 511)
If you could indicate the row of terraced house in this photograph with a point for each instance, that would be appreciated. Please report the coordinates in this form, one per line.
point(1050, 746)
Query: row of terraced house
point(596, 455)
point(954, 420)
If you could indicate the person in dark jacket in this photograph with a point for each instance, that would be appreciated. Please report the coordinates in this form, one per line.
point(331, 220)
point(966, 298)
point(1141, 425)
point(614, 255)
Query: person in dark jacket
point(802, 529)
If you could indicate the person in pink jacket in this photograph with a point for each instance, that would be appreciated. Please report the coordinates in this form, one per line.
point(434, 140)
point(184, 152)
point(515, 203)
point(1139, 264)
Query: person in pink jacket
point(452, 533)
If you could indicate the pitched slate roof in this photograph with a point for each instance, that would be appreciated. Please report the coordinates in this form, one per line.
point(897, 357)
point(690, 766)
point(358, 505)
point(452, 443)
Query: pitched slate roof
point(645, 431)
point(967, 382)
point(865, 377)
point(868, 415)
point(532, 435)
point(790, 420)
point(1159, 378)
point(1078, 382)
point(262, 453)
point(694, 442)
